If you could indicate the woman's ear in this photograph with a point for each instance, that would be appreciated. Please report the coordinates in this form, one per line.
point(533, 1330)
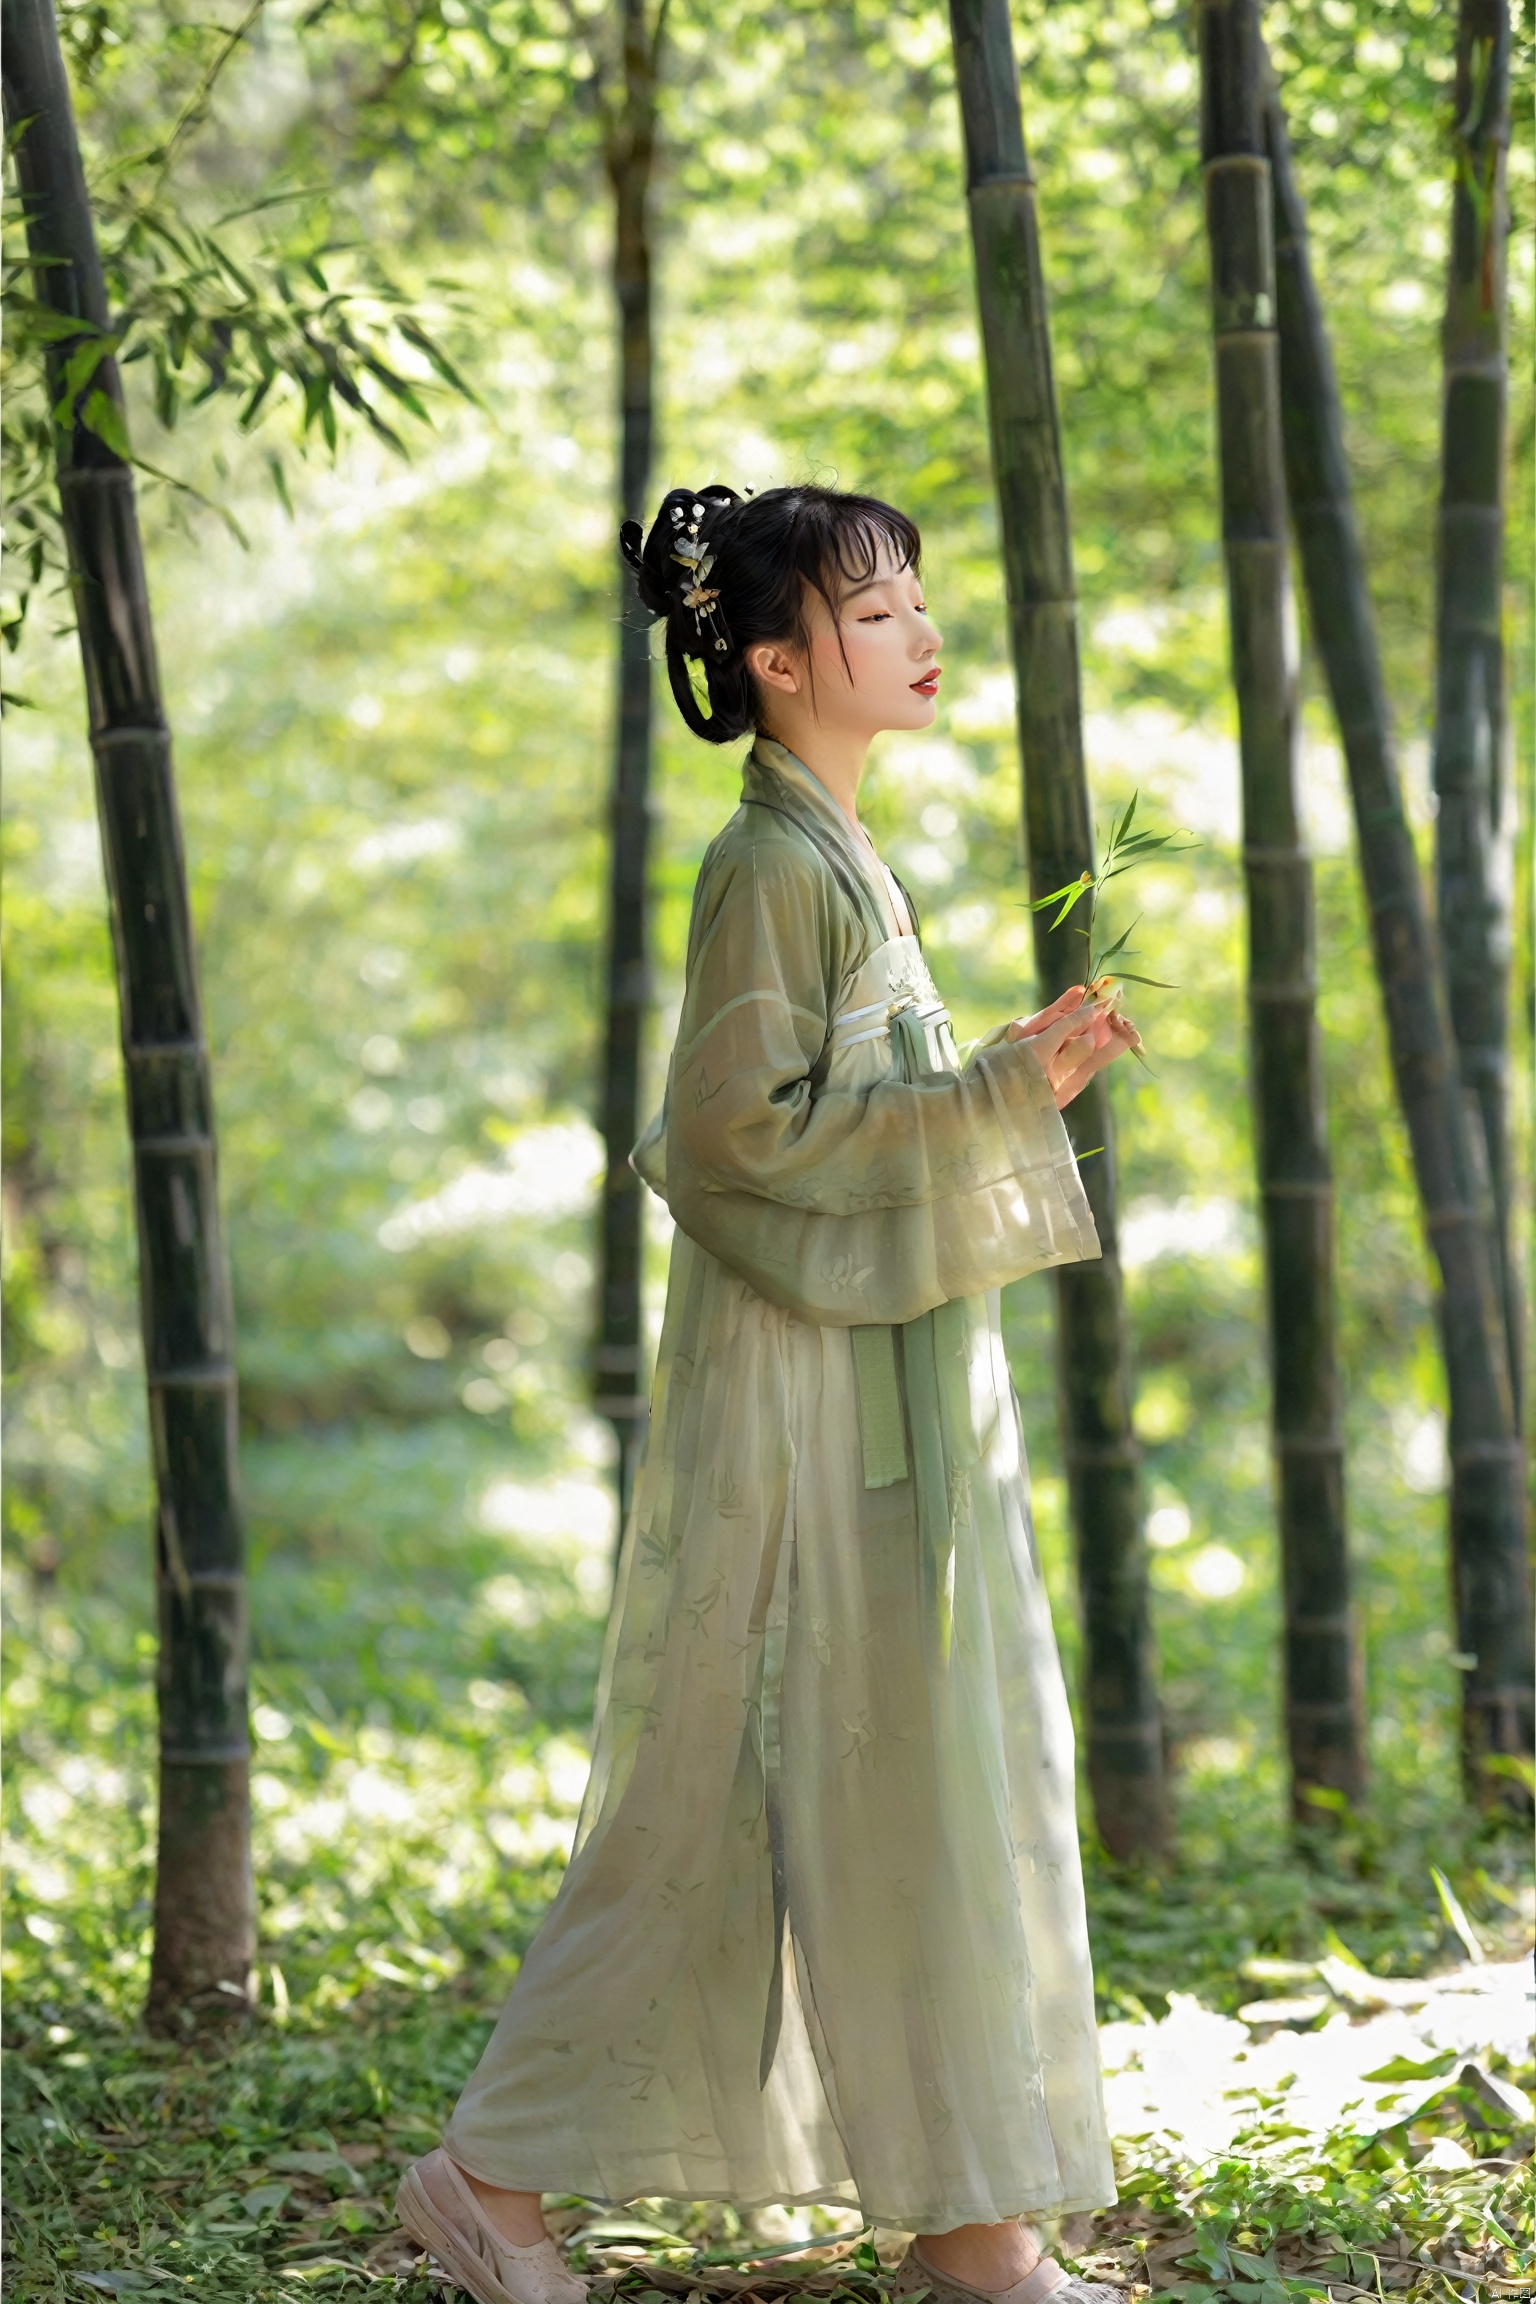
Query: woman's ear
point(773, 664)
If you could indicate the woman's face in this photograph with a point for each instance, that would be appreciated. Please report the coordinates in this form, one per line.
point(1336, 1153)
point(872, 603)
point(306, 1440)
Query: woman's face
point(874, 667)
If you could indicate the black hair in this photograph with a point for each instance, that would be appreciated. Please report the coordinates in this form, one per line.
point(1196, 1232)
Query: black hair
point(747, 564)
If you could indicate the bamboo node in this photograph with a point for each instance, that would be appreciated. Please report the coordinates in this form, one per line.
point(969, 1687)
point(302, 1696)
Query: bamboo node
point(1487, 1452)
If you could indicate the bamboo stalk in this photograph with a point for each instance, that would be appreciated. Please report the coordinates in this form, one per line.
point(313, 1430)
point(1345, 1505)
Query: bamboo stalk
point(1488, 1511)
point(1322, 1693)
point(620, 1392)
point(1474, 828)
point(204, 1903)
point(1124, 1731)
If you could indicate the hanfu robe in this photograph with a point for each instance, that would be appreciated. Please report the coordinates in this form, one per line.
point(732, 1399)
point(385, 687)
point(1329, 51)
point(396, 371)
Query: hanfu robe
point(822, 1937)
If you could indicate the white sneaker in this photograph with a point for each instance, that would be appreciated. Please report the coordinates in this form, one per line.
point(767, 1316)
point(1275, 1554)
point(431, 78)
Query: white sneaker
point(438, 2209)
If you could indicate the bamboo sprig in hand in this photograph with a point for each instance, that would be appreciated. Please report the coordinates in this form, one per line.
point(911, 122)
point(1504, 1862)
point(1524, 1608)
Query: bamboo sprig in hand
point(1123, 851)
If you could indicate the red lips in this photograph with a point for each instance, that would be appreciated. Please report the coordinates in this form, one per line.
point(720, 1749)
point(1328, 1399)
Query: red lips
point(929, 683)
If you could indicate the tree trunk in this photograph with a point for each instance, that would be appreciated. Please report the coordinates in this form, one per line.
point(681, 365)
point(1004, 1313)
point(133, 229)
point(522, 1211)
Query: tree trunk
point(619, 1357)
point(1124, 1733)
point(1488, 1512)
point(1474, 830)
point(204, 1906)
point(1322, 1692)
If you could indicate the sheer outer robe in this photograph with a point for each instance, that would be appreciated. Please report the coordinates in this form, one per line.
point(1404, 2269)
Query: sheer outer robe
point(822, 1937)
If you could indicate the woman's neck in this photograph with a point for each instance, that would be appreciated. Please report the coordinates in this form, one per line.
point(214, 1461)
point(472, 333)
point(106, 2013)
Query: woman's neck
point(836, 761)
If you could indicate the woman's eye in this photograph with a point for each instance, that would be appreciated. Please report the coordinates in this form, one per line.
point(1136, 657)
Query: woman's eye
point(880, 616)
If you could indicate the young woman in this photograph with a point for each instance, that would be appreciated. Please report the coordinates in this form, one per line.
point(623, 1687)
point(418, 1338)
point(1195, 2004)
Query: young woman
point(822, 1937)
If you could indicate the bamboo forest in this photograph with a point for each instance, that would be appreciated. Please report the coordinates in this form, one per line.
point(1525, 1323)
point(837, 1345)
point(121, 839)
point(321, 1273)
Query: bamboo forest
point(350, 839)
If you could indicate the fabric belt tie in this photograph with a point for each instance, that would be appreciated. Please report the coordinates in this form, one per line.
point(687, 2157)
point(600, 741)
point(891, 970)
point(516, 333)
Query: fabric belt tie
point(942, 1441)
point(882, 1426)
point(923, 1044)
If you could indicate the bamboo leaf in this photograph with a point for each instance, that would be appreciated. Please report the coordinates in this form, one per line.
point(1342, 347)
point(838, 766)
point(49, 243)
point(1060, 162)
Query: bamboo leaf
point(255, 399)
point(316, 391)
point(431, 350)
point(1072, 888)
point(1118, 832)
point(79, 368)
point(1119, 944)
point(395, 385)
point(1072, 894)
point(1139, 845)
point(42, 324)
point(1451, 1906)
point(102, 416)
point(377, 424)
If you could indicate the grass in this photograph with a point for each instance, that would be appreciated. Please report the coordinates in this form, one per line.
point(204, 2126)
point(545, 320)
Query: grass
point(402, 1872)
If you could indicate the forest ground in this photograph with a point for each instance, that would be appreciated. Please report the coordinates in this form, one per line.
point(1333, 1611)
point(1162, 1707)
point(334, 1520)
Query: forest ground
point(404, 1856)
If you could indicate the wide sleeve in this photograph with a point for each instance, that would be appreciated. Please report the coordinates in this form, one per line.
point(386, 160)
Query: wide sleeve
point(847, 1207)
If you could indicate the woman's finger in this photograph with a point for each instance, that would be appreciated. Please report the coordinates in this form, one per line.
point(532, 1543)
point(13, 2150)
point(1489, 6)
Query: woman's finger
point(1026, 1027)
point(1069, 1026)
point(1080, 1063)
point(1064, 1002)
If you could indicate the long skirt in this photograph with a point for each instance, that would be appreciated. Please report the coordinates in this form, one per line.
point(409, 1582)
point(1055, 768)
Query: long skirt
point(822, 1937)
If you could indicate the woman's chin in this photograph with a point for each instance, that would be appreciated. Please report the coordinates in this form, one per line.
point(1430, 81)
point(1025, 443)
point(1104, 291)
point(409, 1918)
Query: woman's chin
point(915, 712)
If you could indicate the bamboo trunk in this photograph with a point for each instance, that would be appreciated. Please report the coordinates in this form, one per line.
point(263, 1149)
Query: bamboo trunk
point(204, 1904)
point(1488, 1512)
point(1124, 1732)
point(1474, 829)
point(1322, 1693)
point(619, 1356)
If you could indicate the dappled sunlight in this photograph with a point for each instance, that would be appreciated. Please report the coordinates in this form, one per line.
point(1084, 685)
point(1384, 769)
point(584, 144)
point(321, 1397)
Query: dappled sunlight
point(1153, 1228)
point(1203, 2083)
point(1215, 1573)
point(546, 1172)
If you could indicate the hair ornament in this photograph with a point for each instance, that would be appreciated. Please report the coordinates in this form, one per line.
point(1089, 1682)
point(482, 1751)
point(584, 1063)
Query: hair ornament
point(698, 559)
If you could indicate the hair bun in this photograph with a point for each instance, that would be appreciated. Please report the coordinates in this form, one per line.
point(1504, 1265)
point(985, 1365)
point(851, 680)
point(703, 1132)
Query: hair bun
point(661, 576)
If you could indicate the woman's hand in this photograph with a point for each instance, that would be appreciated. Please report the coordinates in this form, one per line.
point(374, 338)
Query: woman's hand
point(1075, 1038)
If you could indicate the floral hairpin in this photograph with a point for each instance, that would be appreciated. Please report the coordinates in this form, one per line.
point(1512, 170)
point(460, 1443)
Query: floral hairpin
point(698, 559)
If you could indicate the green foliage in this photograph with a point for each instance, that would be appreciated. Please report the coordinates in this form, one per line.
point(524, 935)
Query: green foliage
point(1123, 851)
point(1335, 2229)
point(262, 308)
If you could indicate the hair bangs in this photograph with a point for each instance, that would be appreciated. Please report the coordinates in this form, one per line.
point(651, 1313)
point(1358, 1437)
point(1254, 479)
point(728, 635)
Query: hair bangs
point(861, 528)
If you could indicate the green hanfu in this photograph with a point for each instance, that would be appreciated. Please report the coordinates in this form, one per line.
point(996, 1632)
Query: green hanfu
point(822, 1937)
